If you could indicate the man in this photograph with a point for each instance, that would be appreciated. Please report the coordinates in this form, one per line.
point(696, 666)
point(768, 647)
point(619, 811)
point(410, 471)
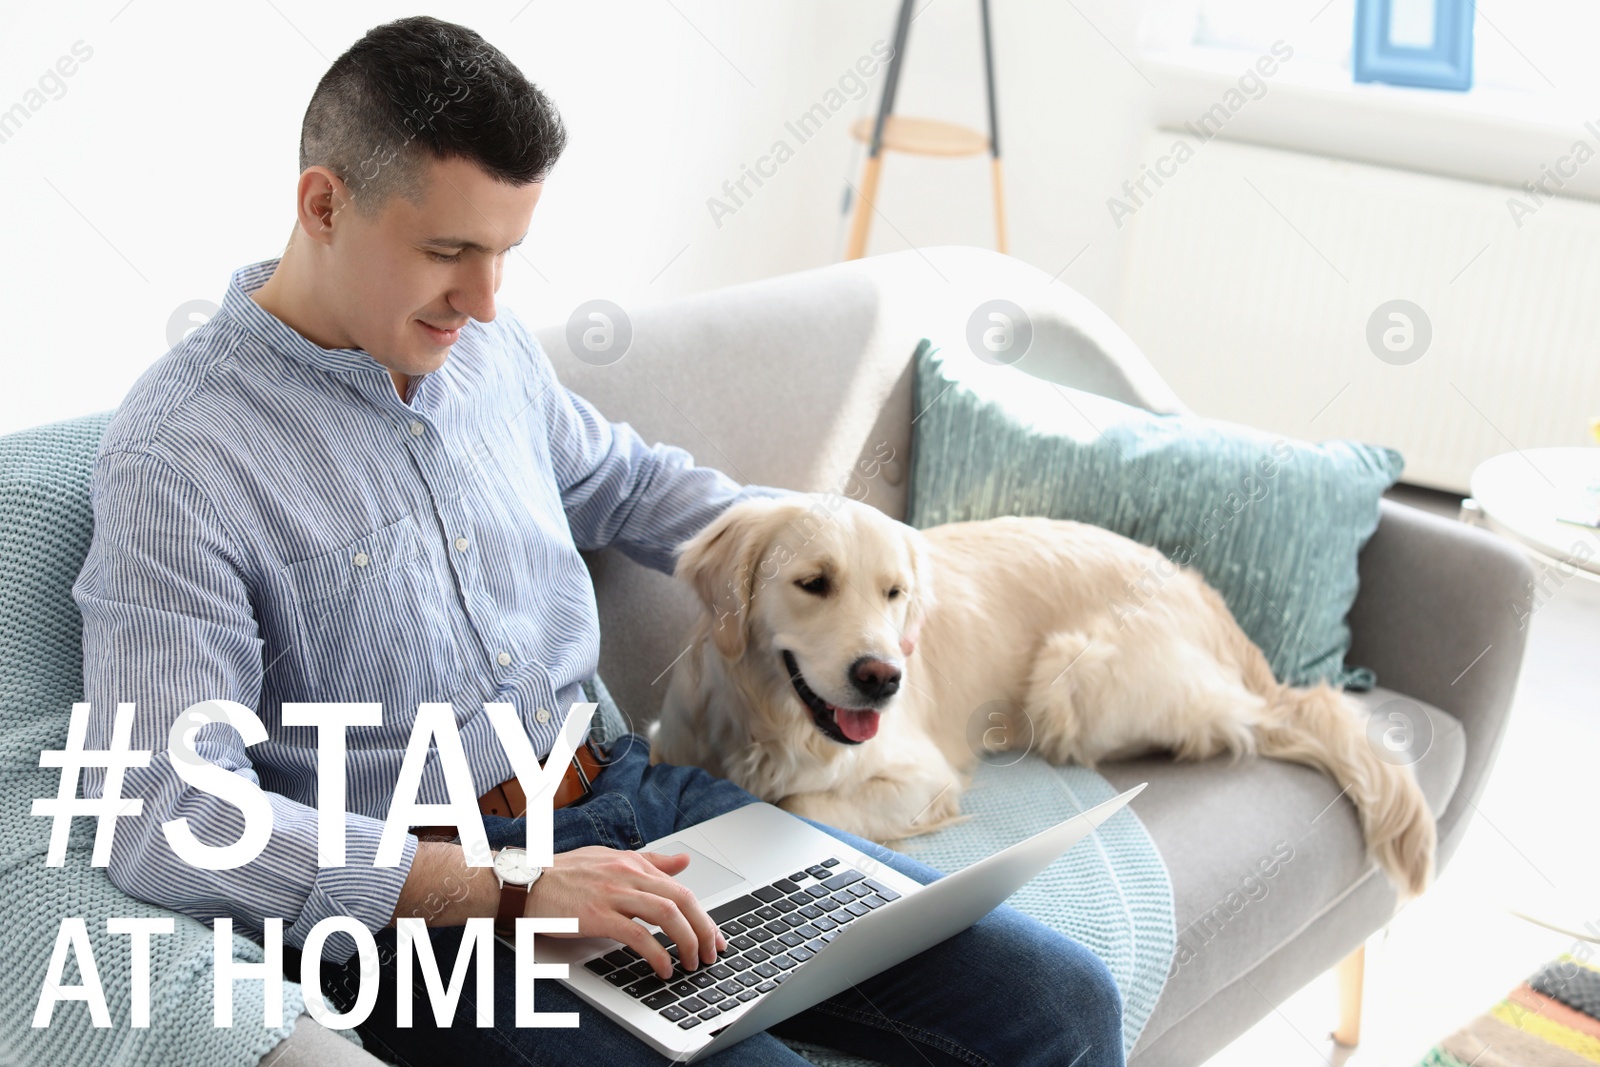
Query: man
point(361, 482)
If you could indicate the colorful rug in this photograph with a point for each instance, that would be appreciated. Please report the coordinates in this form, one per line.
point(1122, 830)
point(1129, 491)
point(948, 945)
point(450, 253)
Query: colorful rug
point(1551, 1020)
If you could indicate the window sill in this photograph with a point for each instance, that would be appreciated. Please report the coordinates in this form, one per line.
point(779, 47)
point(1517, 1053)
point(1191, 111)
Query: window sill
point(1485, 135)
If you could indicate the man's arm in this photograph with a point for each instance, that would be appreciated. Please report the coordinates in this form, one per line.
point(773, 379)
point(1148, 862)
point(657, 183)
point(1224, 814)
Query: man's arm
point(616, 490)
point(168, 622)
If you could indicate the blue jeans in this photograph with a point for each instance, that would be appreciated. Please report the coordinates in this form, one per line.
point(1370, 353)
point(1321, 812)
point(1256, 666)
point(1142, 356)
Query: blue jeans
point(1006, 992)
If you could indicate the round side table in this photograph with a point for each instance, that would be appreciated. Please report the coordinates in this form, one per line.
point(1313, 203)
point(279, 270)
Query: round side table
point(1523, 495)
point(1526, 495)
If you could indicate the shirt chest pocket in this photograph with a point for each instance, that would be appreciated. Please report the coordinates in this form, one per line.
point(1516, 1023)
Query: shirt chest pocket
point(376, 624)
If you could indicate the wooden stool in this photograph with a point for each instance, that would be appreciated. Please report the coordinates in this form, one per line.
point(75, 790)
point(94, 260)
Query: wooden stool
point(923, 137)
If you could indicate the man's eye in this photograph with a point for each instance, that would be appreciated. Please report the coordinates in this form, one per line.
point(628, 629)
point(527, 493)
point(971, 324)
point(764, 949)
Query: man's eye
point(440, 257)
point(817, 586)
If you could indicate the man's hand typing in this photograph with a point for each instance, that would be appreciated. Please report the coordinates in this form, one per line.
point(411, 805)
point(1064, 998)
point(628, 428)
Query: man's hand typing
point(605, 889)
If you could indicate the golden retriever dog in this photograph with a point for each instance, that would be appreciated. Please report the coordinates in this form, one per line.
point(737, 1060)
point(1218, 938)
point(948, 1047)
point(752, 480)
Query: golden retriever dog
point(852, 669)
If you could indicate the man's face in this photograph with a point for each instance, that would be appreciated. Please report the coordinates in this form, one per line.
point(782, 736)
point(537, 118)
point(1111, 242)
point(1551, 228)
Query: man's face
point(433, 265)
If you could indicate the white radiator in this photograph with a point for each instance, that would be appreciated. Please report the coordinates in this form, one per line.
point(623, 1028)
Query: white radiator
point(1252, 274)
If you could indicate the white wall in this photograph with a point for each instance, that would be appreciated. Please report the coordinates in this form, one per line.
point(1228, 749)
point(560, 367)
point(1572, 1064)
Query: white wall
point(1256, 276)
point(170, 157)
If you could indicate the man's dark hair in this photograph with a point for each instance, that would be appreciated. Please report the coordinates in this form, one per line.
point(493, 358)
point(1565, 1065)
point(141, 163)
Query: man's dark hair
point(418, 88)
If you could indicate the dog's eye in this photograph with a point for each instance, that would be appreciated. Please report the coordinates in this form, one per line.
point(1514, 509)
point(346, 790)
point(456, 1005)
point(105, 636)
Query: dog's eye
point(817, 586)
point(894, 592)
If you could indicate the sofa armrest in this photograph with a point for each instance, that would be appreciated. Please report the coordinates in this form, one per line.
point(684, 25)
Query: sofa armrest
point(1442, 616)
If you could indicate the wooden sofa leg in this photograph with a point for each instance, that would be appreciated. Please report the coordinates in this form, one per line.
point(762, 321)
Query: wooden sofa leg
point(1352, 969)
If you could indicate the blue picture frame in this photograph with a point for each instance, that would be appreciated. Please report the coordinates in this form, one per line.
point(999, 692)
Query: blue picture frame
point(1446, 64)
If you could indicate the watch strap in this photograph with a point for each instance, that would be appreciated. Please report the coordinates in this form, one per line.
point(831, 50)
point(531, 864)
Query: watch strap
point(513, 905)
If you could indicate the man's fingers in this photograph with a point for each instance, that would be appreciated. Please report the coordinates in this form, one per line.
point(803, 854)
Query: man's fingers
point(706, 932)
point(710, 938)
point(665, 913)
point(641, 941)
point(639, 885)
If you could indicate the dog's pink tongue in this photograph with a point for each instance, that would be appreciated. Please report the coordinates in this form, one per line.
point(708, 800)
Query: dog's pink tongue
point(857, 724)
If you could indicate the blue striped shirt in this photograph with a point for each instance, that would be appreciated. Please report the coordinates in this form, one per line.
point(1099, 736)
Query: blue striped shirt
point(274, 524)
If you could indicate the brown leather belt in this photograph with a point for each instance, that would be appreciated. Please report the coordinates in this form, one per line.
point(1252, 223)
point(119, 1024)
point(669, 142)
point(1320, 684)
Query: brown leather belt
point(508, 799)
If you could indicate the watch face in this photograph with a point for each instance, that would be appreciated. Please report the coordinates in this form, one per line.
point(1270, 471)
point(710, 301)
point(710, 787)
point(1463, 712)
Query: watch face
point(511, 864)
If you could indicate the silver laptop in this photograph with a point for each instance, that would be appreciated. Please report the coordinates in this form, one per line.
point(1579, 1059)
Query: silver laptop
point(806, 916)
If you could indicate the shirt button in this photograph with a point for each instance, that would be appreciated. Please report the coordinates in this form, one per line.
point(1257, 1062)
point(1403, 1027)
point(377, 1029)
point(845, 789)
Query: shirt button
point(461, 544)
point(542, 715)
point(504, 659)
point(360, 560)
point(417, 429)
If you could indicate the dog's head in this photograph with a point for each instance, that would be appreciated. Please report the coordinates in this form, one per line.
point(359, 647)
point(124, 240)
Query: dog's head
point(827, 593)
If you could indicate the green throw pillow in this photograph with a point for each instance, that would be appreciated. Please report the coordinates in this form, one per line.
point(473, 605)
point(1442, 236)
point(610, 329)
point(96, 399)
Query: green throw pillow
point(1274, 525)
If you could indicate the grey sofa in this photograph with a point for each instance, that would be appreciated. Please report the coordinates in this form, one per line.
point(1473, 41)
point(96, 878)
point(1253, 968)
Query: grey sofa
point(790, 381)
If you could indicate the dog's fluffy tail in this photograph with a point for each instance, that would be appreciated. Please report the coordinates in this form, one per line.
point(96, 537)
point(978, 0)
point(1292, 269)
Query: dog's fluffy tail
point(1323, 728)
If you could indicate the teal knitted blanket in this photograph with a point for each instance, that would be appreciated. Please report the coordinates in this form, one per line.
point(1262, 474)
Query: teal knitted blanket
point(45, 525)
point(1111, 891)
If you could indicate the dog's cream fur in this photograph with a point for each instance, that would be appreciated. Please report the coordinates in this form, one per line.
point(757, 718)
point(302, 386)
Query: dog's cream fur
point(1035, 633)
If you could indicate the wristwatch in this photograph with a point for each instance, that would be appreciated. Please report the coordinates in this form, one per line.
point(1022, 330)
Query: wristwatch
point(516, 876)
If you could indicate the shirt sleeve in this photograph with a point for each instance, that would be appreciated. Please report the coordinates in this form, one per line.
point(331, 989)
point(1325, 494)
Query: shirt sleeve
point(616, 490)
point(168, 622)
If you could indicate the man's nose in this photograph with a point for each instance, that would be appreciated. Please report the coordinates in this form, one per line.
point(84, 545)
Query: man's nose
point(476, 296)
point(874, 678)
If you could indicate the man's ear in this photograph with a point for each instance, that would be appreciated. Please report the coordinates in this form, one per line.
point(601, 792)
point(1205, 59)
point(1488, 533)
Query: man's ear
point(719, 563)
point(921, 596)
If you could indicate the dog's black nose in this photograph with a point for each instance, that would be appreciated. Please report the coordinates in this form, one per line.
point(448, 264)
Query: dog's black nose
point(874, 678)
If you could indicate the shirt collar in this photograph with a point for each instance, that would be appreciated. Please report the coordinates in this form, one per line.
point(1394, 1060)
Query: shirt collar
point(283, 338)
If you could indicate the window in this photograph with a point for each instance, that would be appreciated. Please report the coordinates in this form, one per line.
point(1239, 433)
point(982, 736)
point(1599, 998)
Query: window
point(1528, 47)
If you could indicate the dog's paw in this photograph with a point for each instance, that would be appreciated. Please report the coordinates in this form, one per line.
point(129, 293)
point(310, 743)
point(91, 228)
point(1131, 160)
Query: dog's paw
point(927, 826)
point(944, 810)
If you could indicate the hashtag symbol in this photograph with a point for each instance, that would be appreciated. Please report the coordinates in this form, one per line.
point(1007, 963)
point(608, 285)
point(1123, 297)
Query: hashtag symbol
point(109, 806)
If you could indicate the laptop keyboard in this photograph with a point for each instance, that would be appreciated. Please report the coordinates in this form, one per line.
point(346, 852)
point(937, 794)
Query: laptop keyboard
point(770, 931)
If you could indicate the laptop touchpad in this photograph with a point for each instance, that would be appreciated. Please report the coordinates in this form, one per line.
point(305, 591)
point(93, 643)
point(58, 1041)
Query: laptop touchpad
point(704, 876)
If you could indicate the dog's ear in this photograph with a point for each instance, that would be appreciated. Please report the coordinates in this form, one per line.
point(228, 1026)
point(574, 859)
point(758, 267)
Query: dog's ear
point(719, 563)
point(922, 599)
